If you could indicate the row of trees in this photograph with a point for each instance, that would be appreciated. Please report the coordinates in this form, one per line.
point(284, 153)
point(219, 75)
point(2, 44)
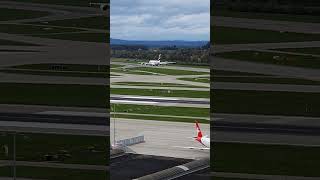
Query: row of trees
point(195, 56)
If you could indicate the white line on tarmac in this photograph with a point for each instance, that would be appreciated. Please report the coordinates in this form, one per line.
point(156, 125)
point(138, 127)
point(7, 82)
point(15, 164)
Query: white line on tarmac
point(133, 102)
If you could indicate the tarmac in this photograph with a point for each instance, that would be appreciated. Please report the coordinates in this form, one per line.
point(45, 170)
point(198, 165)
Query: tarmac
point(162, 138)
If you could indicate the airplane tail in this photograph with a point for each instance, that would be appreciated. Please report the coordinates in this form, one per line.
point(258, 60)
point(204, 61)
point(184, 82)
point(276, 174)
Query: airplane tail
point(199, 133)
point(159, 57)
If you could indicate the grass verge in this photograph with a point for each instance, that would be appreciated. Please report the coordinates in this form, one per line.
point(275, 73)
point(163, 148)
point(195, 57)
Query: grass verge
point(161, 92)
point(160, 110)
point(157, 118)
point(156, 84)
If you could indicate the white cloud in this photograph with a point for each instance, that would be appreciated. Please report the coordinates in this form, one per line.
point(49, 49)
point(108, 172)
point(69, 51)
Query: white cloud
point(160, 20)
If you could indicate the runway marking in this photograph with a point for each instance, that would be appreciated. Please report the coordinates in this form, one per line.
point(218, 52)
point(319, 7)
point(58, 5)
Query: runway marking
point(146, 97)
point(133, 102)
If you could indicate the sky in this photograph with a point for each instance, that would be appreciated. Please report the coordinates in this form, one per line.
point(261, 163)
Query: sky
point(155, 20)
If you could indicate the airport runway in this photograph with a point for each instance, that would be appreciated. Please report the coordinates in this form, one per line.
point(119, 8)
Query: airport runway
point(164, 88)
point(154, 100)
point(174, 67)
point(161, 138)
point(160, 79)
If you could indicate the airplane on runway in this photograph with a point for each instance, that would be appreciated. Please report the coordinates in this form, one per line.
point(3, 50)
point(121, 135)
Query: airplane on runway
point(156, 62)
point(204, 140)
point(103, 6)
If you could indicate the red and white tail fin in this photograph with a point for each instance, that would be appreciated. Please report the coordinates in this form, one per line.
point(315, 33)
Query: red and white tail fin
point(199, 133)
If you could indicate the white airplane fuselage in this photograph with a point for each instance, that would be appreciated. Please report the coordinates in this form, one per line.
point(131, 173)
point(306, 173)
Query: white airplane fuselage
point(205, 141)
point(154, 62)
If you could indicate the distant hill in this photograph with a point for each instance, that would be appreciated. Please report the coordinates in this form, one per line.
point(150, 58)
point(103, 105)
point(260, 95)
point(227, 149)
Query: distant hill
point(159, 43)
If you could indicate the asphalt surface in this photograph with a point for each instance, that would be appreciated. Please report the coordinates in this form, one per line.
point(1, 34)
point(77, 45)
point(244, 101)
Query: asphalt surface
point(161, 138)
point(158, 100)
point(135, 165)
point(201, 175)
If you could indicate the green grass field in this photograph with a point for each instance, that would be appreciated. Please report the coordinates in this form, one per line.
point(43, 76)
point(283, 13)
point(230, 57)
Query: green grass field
point(53, 173)
point(116, 66)
point(160, 110)
point(68, 148)
point(266, 159)
point(156, 84)
point(172, 119)
point(126, 60)
point(274, 58)
point(15, 14)
point(199, 79)
point(55, 95)
point(161, 92)
point(168, 71)
point(227, 35)
point(265, 102)
point(312, 50)
point(129, 71)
